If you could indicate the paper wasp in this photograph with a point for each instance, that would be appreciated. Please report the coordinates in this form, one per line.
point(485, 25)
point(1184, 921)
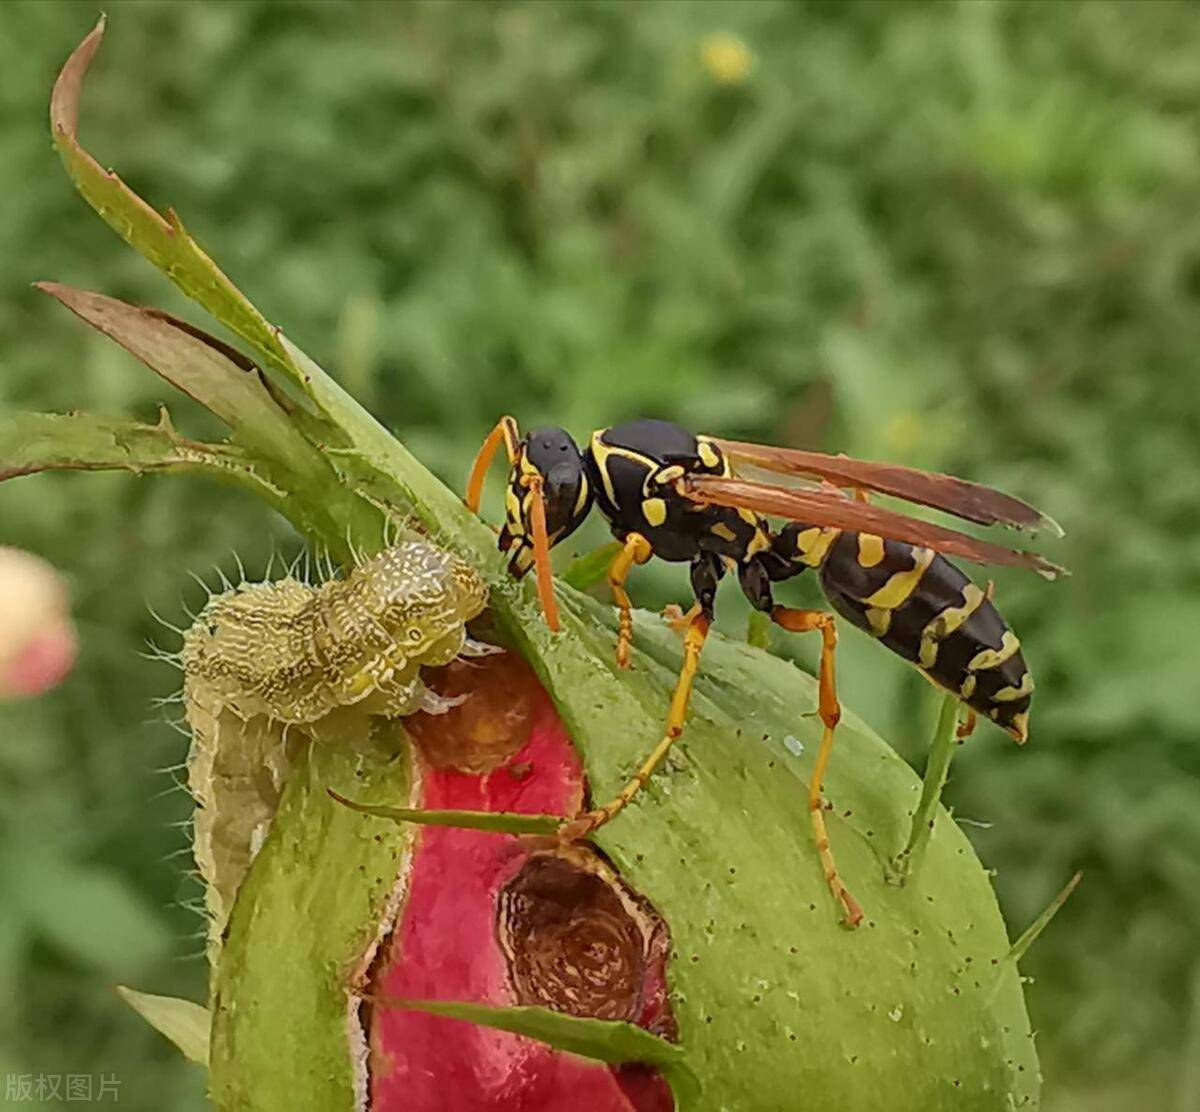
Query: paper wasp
point(670, 494)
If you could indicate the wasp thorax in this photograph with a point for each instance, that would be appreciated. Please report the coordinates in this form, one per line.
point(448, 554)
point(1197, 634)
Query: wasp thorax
point(577, 940)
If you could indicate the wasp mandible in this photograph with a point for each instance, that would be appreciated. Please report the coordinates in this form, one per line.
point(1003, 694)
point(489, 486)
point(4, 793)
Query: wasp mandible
point(668, 493)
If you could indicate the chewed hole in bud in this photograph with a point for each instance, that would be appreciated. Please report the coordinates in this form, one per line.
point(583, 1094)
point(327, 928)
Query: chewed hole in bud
point(490, 725)
point(577, 940)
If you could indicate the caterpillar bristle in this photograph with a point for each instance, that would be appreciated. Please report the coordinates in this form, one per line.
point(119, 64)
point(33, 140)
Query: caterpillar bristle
point(176, 787)
point(161, 656)
point(208, 591)
point(240, 567)
point(163, 622)
point(225, 584)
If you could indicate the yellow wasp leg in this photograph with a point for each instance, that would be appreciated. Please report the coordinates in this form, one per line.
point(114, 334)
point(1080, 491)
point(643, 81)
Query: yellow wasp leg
point(803, 621)
point(677, 618)
point(693, 642)
point(636, 550)
point(506, 433)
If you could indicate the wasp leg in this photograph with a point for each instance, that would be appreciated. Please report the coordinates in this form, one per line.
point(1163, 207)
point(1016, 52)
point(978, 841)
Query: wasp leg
point(679, 619)
point(693, 642)
point(506, 433)
point(967, 727)
point(636, 550)
point(803, 621)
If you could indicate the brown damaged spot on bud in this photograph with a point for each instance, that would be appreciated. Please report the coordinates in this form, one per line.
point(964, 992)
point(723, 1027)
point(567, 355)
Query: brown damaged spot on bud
point(577, 939)
point(490, 725)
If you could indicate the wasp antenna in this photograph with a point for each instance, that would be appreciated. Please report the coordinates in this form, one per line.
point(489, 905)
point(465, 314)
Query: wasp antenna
point(541, 553)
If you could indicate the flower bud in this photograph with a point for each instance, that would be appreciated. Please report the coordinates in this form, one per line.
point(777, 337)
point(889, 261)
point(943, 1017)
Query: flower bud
point(37, 639)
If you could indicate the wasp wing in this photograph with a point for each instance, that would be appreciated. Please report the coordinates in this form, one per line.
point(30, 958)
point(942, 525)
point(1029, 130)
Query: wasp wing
point(828, 508)
point(972, 501)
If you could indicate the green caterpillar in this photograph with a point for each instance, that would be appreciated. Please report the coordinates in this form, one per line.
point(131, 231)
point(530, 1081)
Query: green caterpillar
point(270, 666)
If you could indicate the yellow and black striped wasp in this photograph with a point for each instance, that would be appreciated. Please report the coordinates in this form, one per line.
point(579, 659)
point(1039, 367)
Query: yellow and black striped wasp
point(668, 493)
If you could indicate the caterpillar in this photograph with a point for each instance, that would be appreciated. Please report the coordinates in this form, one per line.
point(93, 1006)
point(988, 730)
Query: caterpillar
point(268, 666)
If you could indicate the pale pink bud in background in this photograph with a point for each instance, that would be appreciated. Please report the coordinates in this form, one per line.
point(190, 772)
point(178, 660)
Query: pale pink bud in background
point(37, 640)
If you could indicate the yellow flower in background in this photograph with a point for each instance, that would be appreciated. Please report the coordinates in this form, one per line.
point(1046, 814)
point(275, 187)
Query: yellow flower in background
point(37, 640)
point(903, 432)
point(726, 57)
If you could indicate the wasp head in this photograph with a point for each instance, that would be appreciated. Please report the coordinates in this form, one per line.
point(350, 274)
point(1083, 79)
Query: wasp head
point(549, 467)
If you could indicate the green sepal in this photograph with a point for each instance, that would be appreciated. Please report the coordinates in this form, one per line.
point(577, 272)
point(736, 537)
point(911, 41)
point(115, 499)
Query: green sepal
point(184, 1023)
point(500, 822)
point(603, 1040)
point(590, 568)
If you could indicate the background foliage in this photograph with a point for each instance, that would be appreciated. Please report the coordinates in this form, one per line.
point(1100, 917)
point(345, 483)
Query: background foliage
point(960, 236)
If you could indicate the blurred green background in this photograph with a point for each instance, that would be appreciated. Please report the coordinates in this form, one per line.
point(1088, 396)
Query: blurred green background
point(956, 235)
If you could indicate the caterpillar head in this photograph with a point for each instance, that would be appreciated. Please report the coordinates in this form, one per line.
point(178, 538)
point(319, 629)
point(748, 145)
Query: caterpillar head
point(424, 579)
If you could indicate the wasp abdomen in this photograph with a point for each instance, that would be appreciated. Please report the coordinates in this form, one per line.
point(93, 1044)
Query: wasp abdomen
point(924, 609)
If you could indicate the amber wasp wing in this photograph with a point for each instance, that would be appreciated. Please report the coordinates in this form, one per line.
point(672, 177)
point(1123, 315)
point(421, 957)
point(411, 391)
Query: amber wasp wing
point(971, 501)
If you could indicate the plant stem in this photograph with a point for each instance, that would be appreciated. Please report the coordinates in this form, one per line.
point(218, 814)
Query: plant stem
point(937, 769)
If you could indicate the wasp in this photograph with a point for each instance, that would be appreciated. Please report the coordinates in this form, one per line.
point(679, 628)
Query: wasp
point(670, 494)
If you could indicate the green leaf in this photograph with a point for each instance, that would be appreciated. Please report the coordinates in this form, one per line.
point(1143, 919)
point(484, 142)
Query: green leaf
point(184, 1023)
point(33, 442)
point(265, 423)
point(501, 822)
point(214, 374)
point(164, 242)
